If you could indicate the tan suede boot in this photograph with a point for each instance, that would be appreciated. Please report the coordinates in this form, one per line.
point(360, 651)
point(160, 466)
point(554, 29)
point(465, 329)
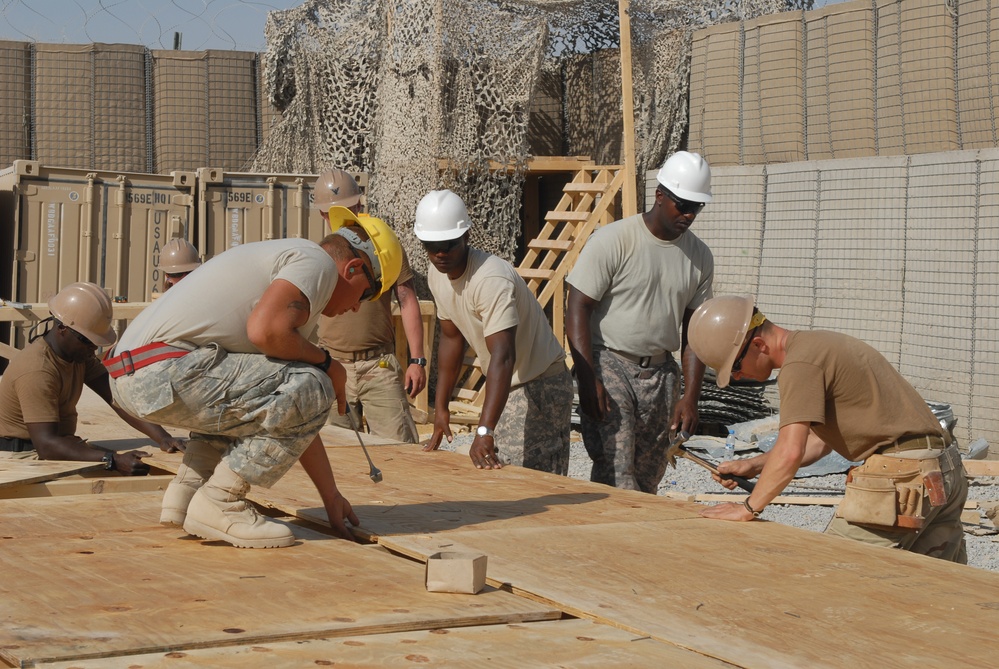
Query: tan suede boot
point(200, 460)
point(219, 512)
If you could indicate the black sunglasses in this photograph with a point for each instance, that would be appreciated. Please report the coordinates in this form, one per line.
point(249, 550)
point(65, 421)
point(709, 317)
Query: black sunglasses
point(737, 365)
point(80, 337)
point(683, 206)
point(441, 247)
point(374, 286)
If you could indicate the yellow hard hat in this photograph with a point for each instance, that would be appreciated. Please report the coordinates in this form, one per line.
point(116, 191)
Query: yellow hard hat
point(382, 246)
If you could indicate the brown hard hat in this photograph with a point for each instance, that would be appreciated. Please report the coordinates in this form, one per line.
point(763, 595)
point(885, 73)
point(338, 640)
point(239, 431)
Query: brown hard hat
point(87, 309)
point(178, 256)
point(717, 332)
point(335, 188)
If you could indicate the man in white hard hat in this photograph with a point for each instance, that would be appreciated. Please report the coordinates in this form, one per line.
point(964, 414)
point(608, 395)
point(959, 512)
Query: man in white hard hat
point(839, 394)
point(482, 301)
point(177, 259)
point(225, 353)
point(631, 294)
point(40, 390)
point(364, 341)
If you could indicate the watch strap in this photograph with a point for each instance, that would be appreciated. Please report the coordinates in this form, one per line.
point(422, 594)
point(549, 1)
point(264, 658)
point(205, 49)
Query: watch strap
point(422, 362)
point(325, 364)
point(745, 503)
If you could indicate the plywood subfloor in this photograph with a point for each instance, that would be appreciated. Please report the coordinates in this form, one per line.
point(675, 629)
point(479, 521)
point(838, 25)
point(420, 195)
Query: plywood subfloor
point(442, 491)
point(753, 594)
point(94, 576)
point(15, 473)
point(580, 644)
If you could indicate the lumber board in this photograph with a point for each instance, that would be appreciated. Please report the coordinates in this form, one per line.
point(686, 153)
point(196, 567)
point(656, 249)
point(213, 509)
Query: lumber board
point(87, 486)
point(114, 582)
point(791, 500)
point(754, 594)
point(541, 645)
point(976, 468)
point(440, 491)
point(15, 473)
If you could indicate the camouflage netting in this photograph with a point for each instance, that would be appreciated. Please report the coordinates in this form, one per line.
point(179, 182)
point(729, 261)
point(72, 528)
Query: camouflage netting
point(423, 94)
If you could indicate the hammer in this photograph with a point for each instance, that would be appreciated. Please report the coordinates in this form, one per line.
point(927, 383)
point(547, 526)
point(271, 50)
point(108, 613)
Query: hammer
point(676, 448)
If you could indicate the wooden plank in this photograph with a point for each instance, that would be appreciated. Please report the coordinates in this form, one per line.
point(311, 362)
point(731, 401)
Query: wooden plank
point(537, 274)
point(775, 596)
point(794, 500)
point(20, 472)
point(594, 188)
point(117, 583)
point(567, 216)
point(550, 244)
point(541, 645)
point(87, 486)
point(440, 491)
point(629, 200)
point(976, 468)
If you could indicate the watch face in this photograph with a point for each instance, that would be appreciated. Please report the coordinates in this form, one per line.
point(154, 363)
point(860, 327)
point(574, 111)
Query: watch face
point(482, 431)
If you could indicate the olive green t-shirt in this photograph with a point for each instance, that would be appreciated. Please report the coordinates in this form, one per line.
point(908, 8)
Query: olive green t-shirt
point(851, 395)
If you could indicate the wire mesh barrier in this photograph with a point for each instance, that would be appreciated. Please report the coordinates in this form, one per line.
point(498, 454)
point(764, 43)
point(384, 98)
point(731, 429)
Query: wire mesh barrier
point(901, 252)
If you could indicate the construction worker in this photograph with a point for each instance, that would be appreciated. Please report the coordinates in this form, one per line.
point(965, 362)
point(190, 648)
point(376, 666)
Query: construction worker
point(364, 341)
point(225, 354)
point(482, 301)
point(839, 394)
point(177, 259)
point(631, 294)
point(42, 386)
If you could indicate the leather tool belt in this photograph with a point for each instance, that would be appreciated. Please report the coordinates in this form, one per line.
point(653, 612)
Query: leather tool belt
point(128, 362)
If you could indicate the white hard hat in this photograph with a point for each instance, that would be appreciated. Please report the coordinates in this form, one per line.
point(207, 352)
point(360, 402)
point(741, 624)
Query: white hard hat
point(686, 175)
point(440, 216)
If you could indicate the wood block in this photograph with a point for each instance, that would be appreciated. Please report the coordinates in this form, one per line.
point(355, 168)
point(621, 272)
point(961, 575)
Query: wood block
point(87, 486)
point(96, 576)
point(976, 468)
point(20, 472)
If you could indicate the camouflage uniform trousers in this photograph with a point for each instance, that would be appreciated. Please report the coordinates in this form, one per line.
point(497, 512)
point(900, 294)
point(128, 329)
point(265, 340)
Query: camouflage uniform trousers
point(533, 430)
point(628, 447)
point(375, 391)
point(942, 535)
point(268, 411)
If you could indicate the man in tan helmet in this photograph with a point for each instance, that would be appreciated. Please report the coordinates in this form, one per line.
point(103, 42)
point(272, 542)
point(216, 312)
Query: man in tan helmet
point(177, 259)
point(839, 394)
point(42, 386)
point(631, 293)
point(364, 341)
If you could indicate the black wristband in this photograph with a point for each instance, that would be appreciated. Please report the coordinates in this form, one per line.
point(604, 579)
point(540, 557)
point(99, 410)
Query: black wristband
point(325, 364)
point(422, 362)
point(108, 460)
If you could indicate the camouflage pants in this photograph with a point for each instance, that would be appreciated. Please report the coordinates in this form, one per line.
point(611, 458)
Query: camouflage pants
point(628, 447)
point(267, 410)
point(533, 430)
point(375, 392)
point(942, 535)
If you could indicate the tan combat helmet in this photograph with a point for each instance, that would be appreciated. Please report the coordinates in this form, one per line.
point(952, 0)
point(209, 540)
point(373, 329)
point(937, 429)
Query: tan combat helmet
point(85, 308)
point(335, 188)
point(178, 257)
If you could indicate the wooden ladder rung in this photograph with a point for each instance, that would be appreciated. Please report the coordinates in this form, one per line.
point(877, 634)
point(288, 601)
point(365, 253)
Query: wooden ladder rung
point(550, 244)
point(585, 188)
point(568, 216)
point(539, 274)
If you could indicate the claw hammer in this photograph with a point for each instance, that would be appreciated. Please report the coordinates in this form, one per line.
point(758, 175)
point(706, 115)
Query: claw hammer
point(676, 448)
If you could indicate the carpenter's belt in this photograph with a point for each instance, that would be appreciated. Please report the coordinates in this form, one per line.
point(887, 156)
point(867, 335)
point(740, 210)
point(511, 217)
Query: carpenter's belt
point(129, 361)
point(911, 443)
point(16, 445)
point(354, 356)
point(643, 361)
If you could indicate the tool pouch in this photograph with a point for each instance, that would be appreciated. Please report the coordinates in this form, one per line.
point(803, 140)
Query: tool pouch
point(887, 492)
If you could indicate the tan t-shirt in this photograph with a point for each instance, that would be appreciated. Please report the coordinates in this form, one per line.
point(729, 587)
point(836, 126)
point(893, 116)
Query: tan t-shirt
point(213, 303)
point(369, 327)
point(850, 394)
point(488, 298)
point(643, 285)
point(41, 387)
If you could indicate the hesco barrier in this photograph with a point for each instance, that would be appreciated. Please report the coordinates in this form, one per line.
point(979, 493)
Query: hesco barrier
point(238, 207)
point(76, 225)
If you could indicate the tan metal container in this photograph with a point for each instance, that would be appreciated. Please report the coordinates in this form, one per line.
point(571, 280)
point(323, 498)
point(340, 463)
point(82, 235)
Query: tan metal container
point(239, 207)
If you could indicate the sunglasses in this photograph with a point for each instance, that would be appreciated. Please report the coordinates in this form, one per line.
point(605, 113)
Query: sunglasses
point(82, 339)
point(685, 207)
point(441, 247)
point(737, 365)
point(374, 285)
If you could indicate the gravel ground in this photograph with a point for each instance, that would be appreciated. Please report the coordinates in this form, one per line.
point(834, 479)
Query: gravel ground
point(691, 479)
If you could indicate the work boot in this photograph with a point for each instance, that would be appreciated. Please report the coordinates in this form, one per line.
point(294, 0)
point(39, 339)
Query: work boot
point(219, 512)
point(200, 459)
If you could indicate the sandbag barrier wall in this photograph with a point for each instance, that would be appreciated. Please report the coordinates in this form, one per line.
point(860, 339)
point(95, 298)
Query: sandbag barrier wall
point(864, 78)
point(902, 252)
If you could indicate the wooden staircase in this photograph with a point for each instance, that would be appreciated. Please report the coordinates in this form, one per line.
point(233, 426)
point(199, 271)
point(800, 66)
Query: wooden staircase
point(589, 201)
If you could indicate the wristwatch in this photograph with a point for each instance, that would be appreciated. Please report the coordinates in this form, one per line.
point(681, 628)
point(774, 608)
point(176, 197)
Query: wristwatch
point(745, 503)
point(422, 362)
point(484, 431)
point(108, 460)
point(325, 364)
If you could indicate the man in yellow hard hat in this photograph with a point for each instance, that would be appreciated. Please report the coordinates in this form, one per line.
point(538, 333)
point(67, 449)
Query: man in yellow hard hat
point(42, 385)
point(225, 353)
point(364, 341)
point(839, 394)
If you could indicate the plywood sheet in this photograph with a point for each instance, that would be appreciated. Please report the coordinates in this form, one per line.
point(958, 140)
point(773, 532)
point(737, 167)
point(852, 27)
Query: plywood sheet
point(441, 491)
point(753, 594)
point(556, 644)
point(19, 472)
point(97, 576)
